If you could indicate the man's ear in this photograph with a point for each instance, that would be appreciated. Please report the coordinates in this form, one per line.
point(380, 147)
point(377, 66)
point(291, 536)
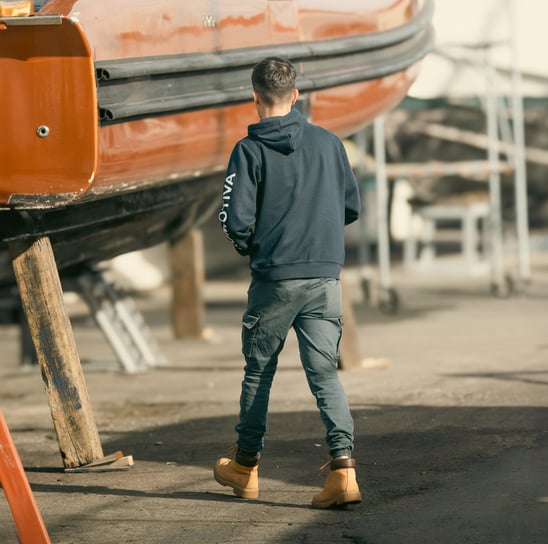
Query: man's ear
point(294, 96)
point(255, 97)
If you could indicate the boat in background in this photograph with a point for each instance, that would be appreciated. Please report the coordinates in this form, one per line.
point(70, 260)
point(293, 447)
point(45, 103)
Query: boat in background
point(119, 116)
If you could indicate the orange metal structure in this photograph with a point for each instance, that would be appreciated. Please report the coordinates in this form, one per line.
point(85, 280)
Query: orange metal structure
point(112, 108)
point(50, 117)
point(29, 523)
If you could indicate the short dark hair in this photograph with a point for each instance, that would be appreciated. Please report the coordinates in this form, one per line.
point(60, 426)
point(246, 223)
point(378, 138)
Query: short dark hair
point(273, 79)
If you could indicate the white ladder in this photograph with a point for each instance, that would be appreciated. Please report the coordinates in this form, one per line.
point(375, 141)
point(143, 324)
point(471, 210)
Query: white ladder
point(120, 321)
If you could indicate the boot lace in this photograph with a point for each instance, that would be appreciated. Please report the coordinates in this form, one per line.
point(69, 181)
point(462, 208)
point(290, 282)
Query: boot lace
point(232, 450)
point(325, 466)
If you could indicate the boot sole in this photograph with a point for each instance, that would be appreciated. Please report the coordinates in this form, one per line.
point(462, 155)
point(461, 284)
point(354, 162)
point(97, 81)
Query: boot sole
point(341, 500)
point(242, 492)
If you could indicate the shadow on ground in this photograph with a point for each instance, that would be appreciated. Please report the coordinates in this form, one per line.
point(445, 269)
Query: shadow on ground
point(480, 470)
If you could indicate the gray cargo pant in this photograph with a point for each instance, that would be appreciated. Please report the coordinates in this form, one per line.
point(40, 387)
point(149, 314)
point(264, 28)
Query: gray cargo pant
point(313, 308)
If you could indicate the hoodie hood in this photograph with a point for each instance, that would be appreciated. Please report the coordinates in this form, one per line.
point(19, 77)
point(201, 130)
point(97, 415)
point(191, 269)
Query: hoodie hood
point(283, 134)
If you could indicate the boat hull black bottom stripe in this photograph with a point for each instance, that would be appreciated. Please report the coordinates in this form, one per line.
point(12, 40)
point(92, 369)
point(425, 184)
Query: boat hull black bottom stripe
point(92, 230)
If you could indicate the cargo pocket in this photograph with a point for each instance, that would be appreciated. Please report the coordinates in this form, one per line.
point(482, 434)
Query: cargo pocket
point(249, 333)
point(338, 348)
point(333, 304)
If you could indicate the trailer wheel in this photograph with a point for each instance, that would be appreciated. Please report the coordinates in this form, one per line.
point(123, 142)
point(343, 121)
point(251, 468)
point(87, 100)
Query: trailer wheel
point(503, 290)
point(366, 290)
point(389, 302)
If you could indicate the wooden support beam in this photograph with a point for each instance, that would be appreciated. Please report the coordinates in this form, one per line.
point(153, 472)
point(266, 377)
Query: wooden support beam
point(187, 277)
point(475, 170)
point(481, 141)
point(349, 349)
point(50, 328)
point(109, 463)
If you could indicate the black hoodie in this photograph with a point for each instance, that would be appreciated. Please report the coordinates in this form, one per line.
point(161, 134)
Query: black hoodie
point(288, 193)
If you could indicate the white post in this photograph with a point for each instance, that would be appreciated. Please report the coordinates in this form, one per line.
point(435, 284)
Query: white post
point(382, 205)
point(495, 217)
point(520, 175)
point(360, 139)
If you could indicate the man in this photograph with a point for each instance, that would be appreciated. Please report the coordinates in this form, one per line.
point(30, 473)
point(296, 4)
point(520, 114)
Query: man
point(288, 193)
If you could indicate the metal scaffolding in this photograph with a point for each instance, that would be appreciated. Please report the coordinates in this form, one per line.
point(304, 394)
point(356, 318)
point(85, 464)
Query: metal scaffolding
point(501, 137)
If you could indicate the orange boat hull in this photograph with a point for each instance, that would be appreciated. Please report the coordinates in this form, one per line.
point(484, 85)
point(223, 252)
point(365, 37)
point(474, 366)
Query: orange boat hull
point(121, 116)
point(52, 88)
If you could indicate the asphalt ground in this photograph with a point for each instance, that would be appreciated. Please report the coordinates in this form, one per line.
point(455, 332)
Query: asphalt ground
point(450, 408)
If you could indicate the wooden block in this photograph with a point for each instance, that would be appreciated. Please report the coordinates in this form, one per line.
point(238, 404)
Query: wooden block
point(113, 462)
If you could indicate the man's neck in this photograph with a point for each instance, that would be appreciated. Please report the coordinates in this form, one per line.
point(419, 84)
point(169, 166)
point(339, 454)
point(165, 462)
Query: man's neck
point(274, 111)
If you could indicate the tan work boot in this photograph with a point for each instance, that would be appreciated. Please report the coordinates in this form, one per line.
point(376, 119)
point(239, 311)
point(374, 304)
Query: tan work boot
point(243, 480)
point(341, 487)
